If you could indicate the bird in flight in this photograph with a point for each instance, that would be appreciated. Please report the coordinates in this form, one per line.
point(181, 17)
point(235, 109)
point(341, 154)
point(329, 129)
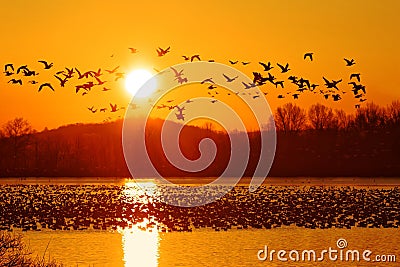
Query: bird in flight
point(332, 84)
point(113, 70)
point(233, 62)
point(186, 58)
point(309, 55)
point(8, 73)
point(248, 85)
point(278, 83)
point(209, 80)
point(105, 89)
point(177, 73)
point(229, 79)
point(24, 67)
point(295, 96)
point(349, 62)
point(9, 65)
point(62, 81)
point(161, 52)
point(267, 67)
point(133, 50)
point(180, 116)
point(355, 75)
point(113, 107)
point(45, 85)
point(180, 109)
point(14, 81)
point(92, 109)
point(46, 64)
point(245, 63)
point(336, 97)
point(195, 57)
point(212, 87)
point(284, 69)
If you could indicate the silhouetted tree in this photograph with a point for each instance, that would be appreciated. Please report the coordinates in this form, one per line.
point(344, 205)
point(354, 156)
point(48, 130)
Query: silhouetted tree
point(343, 120)
point(18, 130)
point(321, 117)
point(290, 118)
point(369, 117)
point(393, 113)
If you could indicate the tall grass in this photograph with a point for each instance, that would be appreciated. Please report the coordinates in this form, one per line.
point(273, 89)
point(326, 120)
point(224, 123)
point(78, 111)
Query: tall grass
point(13, 252)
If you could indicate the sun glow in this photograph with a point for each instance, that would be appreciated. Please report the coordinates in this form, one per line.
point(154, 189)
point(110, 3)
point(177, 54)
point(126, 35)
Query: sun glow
point(136, 79)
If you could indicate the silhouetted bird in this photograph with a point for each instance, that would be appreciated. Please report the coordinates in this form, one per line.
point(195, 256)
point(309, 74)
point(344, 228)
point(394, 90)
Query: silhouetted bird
point(309, 55)
point(113, 70)
point(284, 69)
point(195, 57)
point(336, 97)
point(9, 65)
point(332, 84)
point(233, 62)
point(46, 64)
point(267, 67)
point(228, 79)
point(113, 107)
point(209, 80)
point(45, 85)
point(62, 81)
point(245, 63)
point(161, 52)
point(14, 81)
point(92, 109)
point(278, 83)
point(24, 67)
point(186, 58)
point(8, 73)
point(349, 62)
point(355, 75)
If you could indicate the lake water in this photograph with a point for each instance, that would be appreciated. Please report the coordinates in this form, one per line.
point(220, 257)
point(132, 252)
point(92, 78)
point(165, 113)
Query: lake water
point(207, 247)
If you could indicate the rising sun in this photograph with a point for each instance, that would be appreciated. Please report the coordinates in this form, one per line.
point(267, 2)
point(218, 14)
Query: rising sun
point(134, 81)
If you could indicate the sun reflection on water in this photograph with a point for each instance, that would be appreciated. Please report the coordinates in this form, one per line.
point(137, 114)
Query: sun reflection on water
point(140, 241)
point(140, 247)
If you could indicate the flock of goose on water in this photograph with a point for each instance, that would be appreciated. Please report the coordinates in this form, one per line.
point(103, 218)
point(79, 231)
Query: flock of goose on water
point(113, 207)
point(99, 80)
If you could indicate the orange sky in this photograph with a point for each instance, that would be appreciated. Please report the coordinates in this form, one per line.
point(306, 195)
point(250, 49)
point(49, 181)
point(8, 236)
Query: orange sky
point(85, 34)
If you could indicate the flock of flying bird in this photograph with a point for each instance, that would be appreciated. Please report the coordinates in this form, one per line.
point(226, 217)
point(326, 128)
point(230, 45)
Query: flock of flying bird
point(92, 79)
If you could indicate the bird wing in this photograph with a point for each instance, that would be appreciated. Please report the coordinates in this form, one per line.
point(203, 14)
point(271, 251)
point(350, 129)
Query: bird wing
point(326, 80)
point(175, 71)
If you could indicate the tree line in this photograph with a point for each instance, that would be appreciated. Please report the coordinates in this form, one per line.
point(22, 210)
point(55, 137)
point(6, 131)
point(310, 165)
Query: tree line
point(319, 141)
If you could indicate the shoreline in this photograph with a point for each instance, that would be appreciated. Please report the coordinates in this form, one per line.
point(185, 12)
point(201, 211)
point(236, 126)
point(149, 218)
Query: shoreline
point(269, 181)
